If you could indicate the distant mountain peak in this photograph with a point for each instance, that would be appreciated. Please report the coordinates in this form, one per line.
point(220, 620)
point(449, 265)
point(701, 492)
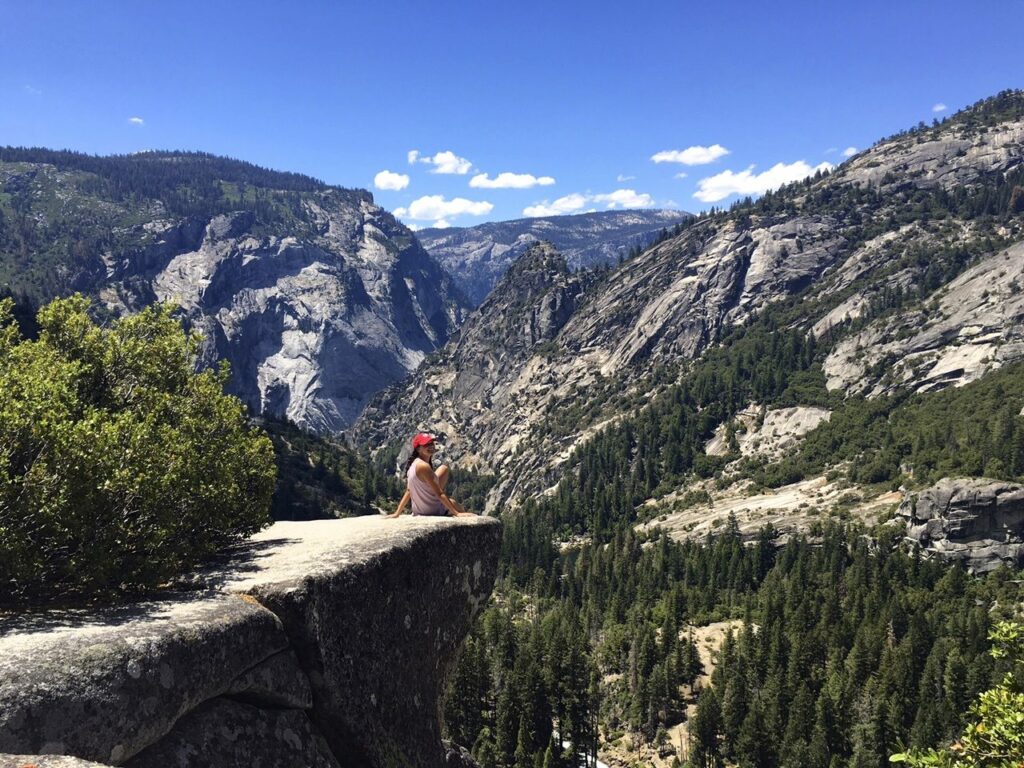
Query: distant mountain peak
point(477, 257)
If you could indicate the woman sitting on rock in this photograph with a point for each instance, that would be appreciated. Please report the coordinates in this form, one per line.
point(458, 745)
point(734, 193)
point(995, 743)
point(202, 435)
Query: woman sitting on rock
point(425, 488)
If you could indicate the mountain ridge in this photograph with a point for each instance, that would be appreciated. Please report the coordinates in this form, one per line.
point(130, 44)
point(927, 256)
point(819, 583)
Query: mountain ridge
point(478, 256)
point(314, 294)
point(915, 211)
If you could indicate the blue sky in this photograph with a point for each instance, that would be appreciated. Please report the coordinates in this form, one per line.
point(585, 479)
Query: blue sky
point(572, 100)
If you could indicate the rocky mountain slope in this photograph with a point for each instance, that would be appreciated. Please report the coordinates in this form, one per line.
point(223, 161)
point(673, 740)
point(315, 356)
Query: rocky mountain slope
point(316, 296)
point(901, 267)
point(478, 256)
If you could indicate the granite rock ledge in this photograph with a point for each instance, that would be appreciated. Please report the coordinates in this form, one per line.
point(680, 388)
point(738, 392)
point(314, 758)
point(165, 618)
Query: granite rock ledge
point(319, 643)
point(977, 521)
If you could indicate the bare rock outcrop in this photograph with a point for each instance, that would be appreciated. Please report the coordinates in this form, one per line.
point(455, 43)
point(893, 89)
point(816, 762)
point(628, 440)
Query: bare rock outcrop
point(320, 643)
point(976, 521)
point(313, 325)
point(975, 324)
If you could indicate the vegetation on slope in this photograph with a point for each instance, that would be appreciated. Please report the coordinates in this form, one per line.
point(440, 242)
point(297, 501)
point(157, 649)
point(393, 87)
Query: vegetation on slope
point(65, 215)
point(847, 651)
point(318, 477)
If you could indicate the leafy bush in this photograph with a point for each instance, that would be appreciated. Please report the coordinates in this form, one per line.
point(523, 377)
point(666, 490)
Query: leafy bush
point(119, 464)
point(995, 736)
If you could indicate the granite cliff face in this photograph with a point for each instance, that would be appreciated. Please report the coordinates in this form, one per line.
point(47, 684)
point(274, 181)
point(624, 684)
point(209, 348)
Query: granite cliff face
point(323, 643)
point(975, 521)
point(494, 367)
point(477, 257)
point(316, 296)
point(894, 256)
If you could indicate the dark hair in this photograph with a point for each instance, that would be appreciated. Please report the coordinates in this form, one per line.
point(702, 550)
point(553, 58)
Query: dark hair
point(415, 456)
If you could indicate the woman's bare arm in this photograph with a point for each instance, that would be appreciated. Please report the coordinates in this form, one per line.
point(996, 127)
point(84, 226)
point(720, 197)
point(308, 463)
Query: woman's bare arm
point(401, 504)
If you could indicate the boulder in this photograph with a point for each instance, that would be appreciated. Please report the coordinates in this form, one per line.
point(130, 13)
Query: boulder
point(974, 520)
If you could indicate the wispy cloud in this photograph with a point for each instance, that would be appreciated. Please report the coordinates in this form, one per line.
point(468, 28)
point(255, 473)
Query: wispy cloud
point(622, 177)
point(849, 152)
point(136, 121)
point(32, 91)
point(510, 181)
point(437, 209)
point(696, 155)
point(390, 180)
point(727, 183)
point(576, 202)
point(681, 175)
point(444, 162)
point(940, 107)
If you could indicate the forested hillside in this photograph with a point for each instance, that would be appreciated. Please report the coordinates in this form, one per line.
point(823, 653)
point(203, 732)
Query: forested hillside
point(848, 649)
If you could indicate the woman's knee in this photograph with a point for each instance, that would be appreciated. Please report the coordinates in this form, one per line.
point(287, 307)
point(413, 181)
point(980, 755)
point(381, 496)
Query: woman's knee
point(443, 475)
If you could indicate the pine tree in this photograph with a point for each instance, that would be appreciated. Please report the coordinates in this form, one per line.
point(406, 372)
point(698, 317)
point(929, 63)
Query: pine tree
point(704, 729)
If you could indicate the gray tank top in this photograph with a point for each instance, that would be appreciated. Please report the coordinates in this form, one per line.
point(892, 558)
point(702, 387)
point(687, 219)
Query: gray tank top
point(424, 500)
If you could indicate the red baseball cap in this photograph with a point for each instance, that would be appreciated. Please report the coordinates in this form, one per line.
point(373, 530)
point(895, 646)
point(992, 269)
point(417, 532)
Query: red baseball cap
point(422, 439)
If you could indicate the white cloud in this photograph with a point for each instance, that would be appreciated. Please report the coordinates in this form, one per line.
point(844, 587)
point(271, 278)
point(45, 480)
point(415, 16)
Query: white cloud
point(563, 205)
point(681, 175)
point(136, 121)
point(625, 198)
point(441, 224)
point(31, 91)
point(510, 181)
point(849, 152)
point(622, 177)
point(446, 162)
point(696, 155)
point(726, 183)
point(390, 180)
point(940, 107)
point(830, 150)
point(575, 203)
point(413, 227)
point(412, 156)
point(435, 207)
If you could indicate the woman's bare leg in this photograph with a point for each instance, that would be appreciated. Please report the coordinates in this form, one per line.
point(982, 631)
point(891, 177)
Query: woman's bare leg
point(444, 474)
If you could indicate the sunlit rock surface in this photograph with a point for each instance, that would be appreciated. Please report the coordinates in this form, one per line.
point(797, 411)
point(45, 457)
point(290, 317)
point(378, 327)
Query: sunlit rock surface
point(315, 643)
point(976, 521)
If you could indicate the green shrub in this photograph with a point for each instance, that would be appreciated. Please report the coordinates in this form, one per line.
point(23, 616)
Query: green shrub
point(995, 736)
point(119, 464)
